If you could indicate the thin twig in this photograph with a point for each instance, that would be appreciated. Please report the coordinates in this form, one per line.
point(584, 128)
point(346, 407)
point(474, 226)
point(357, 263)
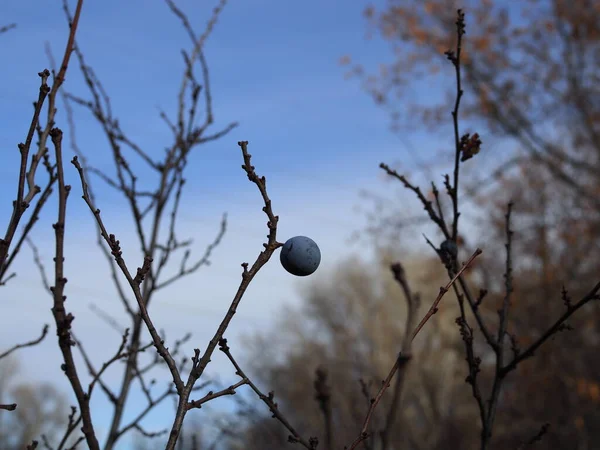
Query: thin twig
point(62, 318)
point(200, 363)
point(26, 344)
point(269, 400)
point(402, 359)
point(134, 283)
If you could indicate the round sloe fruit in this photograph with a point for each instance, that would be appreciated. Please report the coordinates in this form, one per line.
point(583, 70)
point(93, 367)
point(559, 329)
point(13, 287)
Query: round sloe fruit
point(300, 256)
point(450, 248)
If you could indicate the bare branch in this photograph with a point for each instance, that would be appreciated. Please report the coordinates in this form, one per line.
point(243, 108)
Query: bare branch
point(134, 283)
point(62, 318)
point(9, 407)
point(404, 358)
point(27, 344)
point(6, 28)
point(269, 400)
point(199, 364)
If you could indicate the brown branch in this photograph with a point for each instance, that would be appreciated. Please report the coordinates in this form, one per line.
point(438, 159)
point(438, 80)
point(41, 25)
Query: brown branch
point(203, 261)
point(197, 53)
point(105, 252)
point(426, 203)
point(211, 395)
point(323, 397)
point(187, 135)
point(437, 220)
point(402, 359)
point(9, 407)
point(199, 364)
point(38, 262)
point(92, 371)
point(455, 59)
point(537, 438)
point(473, 362)
point(62, 318)
point(79, 440)
point(71, 425)
point(269, 400)
point(152, 403)
point(121, 353)
point(433, 309)
point(593, 294)
point(26, 344)
point(107, 318)
point(23, 201)
point(412, 304)
point(513, 121)
point(35, 215)
point(134, 283)
point(5, 28)
point(488, 423)
point(452, 189)
point(149, 434)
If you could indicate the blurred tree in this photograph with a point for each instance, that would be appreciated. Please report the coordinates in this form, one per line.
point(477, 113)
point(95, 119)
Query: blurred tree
point(530, 73)
point(553, 251)
point(531, 70)
point(42, 409)
point(350, 327)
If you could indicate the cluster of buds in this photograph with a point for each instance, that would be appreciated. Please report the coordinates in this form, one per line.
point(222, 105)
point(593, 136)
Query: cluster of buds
point(469, 146)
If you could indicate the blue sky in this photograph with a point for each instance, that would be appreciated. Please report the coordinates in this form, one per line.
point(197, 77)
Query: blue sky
point(274, 69)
